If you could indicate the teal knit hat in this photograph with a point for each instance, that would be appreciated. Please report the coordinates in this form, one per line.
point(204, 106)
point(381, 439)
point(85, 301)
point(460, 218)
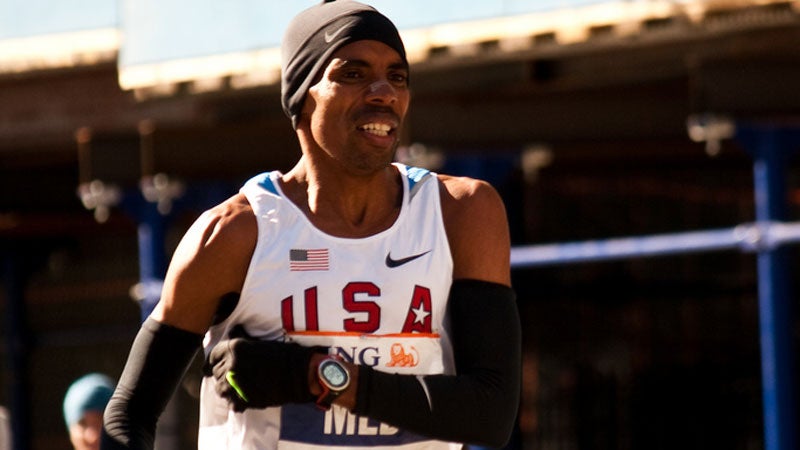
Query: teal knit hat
point(88, 393)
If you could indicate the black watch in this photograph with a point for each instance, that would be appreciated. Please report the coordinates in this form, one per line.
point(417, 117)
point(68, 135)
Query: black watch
point(333, 378)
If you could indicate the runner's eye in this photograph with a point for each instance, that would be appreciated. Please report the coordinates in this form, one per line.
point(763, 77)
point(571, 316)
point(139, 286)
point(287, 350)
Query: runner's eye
point(399, 78)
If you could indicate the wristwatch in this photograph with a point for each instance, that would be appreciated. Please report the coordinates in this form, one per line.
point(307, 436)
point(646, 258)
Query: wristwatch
point(333, 378)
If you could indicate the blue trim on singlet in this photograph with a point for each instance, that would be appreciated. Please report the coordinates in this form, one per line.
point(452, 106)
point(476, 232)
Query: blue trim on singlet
point(415, 174)
point(267, 184)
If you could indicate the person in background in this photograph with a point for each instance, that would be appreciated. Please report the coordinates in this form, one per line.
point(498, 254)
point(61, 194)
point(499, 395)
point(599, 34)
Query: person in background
point(84, 403)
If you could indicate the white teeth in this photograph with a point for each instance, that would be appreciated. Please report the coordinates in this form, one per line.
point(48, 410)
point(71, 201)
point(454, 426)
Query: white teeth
point(378, 129)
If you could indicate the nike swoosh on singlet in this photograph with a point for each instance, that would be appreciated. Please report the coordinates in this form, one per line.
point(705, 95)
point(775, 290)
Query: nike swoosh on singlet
point(331, 36)
point(391, 263)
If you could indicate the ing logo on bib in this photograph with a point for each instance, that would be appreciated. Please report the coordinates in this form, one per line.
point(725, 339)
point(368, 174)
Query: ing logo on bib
point(419, 354)
point(399, 357)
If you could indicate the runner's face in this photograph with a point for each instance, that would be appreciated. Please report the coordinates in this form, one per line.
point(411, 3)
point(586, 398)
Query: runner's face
point(357, 107)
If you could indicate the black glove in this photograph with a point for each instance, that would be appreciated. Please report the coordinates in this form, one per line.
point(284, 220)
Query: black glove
point(251, 373)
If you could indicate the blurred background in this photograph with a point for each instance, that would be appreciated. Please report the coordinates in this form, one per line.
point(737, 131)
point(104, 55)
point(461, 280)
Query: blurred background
point(122, 120)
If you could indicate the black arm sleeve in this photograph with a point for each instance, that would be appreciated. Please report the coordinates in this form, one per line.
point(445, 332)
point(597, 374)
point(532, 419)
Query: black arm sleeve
point(158, 359)
point(479, 404)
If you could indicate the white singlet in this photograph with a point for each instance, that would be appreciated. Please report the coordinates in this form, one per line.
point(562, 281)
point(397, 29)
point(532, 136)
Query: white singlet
point(377, 301)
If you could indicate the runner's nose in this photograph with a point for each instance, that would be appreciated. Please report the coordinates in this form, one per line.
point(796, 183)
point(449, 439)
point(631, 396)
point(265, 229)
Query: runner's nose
point(382, 91)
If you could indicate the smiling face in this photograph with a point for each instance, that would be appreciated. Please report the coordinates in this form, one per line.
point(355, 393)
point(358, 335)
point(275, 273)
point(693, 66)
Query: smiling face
point(353, 114)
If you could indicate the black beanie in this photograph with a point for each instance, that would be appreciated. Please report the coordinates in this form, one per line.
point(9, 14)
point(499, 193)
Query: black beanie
point(315, 34)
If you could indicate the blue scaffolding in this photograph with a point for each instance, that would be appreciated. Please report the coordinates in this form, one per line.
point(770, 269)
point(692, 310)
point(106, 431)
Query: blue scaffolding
point(770, 146)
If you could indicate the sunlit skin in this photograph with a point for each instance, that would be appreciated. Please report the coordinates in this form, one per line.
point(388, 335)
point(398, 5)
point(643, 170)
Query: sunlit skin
point(364, 84)
point(85, 434)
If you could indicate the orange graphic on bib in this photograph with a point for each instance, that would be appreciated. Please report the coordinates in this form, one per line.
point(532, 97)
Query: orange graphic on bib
point(401, 358)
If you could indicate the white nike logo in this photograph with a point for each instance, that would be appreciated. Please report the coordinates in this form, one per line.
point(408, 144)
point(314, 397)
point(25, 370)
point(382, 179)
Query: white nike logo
point(329, 37)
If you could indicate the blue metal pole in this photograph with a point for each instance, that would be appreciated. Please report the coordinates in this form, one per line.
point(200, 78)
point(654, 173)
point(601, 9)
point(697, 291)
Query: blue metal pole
point(746, 237)
point(152, 256)
point(771, 148)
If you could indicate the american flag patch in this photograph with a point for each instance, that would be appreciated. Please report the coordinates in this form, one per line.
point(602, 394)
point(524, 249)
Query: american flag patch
point(308, 259)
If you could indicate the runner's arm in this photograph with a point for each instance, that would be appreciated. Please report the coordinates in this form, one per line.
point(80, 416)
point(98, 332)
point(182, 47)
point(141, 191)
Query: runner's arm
point(210, 261)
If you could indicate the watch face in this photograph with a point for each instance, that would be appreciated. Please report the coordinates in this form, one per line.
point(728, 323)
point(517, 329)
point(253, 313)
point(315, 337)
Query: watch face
point(333, 373)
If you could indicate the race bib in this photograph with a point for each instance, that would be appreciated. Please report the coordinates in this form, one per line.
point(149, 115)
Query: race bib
point(305, 427)
point(405, 353)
